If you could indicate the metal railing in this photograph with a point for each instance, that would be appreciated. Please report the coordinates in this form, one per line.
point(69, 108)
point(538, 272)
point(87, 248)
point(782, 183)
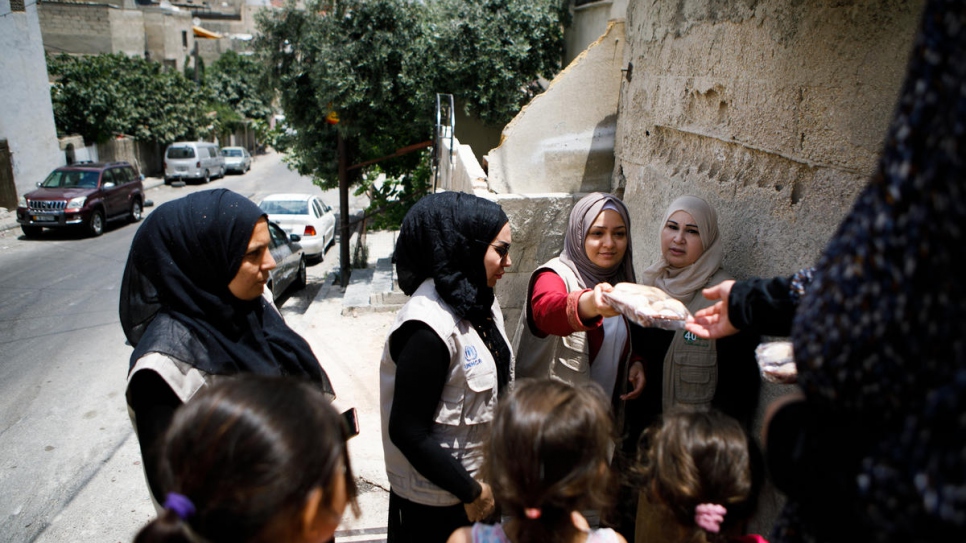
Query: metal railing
point(445, 127)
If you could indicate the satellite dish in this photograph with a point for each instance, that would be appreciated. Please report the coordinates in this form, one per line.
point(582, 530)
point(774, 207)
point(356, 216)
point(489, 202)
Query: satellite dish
point(196, 21)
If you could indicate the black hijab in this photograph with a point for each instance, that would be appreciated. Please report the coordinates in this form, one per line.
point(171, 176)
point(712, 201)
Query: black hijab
point(182, 259)
point(445, 237)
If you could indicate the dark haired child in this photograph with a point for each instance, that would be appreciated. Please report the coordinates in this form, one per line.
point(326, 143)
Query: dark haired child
point(701, 476)
point(546, 460)
point(253, 459)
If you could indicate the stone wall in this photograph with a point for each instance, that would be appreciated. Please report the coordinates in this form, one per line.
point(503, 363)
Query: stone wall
point(168, 36)
point(91, 29)
point(773, 111)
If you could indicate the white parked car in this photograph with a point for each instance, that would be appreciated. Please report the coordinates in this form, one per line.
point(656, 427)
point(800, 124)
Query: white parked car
point(237, 159)
point(306, 215)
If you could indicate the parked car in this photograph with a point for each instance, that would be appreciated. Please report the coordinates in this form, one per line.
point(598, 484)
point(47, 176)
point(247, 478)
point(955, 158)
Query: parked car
point(193, 160)
point(237, 159)
point(306, 215)
point(82, 196)
point(289, 258)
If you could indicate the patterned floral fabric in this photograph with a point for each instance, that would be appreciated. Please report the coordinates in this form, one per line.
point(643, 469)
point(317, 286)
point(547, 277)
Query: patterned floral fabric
point(880, 334)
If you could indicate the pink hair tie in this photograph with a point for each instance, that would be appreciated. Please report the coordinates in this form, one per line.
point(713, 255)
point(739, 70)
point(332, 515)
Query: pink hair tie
point(532, 513)
point(709, 516)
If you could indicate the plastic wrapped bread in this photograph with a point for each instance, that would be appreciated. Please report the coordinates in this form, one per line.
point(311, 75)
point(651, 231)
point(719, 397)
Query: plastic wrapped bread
point(647, 306)
point(777, 362)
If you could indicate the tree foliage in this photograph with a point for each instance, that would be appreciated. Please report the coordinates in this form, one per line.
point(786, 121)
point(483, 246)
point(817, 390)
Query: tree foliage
point(104, 95)
point(378, 65)
point(240, 83)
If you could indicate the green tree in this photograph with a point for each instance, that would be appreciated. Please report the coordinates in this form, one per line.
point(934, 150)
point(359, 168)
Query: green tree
point(241, 83)
point(378, 65)
point(103, 95)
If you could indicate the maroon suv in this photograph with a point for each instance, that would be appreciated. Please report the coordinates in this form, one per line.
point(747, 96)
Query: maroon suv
point(82, 196)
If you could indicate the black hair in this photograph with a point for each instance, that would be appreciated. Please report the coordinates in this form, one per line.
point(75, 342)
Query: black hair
point(246, 452)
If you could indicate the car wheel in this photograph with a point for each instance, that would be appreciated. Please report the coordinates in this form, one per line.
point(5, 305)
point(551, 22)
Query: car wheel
point(136, 210)
point(95, 225)
point(301, 279)
point(207, 178)
point(31, 231)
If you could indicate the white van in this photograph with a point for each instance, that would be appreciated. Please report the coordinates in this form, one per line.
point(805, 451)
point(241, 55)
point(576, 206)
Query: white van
point(199, 160)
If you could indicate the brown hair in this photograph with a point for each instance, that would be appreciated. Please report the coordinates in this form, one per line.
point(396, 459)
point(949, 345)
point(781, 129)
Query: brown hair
point(548, 450)
point(696, 457)
point(247, 452)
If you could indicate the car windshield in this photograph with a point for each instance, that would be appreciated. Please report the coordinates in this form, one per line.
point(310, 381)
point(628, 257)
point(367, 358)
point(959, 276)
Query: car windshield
point(181, 152)
point(231, 152)
point(285, 207)
point(68, 179)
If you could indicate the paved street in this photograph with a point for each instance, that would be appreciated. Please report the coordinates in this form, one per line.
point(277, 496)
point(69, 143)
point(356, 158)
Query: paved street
point(70, 467)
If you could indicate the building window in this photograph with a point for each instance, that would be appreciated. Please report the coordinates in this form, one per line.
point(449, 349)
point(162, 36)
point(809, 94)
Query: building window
point(17, 5)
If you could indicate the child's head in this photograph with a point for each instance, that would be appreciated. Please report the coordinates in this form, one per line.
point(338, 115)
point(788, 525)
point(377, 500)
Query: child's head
point(701, 458)
point(254, 459)
point(548, 452)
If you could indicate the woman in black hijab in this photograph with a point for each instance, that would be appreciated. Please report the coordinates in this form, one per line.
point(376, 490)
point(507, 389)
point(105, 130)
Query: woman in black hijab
point(446, 360)
point(192, 306)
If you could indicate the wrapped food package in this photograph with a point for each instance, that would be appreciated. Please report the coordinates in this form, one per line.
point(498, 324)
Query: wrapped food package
point(647, 306)
point(777, 362)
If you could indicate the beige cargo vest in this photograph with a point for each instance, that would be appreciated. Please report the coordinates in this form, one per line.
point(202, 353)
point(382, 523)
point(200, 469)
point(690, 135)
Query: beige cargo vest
point(465, 410)
point(564, 358)
point(691, 363)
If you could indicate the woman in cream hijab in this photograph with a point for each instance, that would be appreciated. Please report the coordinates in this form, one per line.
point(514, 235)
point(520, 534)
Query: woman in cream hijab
point(681, 368)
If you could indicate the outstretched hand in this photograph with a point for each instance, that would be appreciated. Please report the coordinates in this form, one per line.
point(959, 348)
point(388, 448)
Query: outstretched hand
point(592, 303)
point(712, 322)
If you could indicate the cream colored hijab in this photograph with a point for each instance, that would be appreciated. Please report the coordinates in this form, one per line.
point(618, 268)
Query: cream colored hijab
point(683, 283)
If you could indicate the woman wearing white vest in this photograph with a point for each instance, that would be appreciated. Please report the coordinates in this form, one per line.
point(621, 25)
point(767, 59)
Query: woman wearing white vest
point(571, 334)
point(446, 361)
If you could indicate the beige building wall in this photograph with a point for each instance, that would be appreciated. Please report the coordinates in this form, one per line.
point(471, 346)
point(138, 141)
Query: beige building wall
point(563, 141)
point(90, 29)
point(166, 33)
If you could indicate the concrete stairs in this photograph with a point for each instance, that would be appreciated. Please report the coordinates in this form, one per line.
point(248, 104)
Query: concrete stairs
point(373, 289)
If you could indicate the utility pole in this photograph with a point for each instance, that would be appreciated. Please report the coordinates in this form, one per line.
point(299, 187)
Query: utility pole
point(343, 214)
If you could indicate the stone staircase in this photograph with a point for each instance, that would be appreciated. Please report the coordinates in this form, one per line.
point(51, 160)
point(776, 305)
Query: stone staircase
point(373, 289)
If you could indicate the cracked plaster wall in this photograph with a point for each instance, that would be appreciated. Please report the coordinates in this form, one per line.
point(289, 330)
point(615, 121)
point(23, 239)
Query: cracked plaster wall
point(773, 110)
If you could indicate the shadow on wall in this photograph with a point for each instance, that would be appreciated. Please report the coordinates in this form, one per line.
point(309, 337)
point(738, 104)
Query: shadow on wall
point(599, 166)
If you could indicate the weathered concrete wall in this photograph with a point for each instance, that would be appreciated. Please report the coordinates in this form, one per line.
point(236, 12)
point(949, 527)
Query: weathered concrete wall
point(563, 140)
point(168, 36)
point(127, 32)
point(26, 117)
point(773, 111)
point(91, 29)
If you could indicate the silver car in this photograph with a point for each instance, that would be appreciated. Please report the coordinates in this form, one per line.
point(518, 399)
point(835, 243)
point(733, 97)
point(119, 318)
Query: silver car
point(237, 159)
point(289, 269)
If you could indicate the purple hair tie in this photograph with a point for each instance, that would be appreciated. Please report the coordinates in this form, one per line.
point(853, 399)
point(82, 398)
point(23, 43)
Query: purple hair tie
point(180, 504)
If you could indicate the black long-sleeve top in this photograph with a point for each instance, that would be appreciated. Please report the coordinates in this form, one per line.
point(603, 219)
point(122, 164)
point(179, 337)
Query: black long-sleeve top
point(422, 361)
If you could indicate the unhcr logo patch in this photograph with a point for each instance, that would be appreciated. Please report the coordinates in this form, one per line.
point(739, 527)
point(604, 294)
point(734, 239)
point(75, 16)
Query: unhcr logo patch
point(471, 356)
